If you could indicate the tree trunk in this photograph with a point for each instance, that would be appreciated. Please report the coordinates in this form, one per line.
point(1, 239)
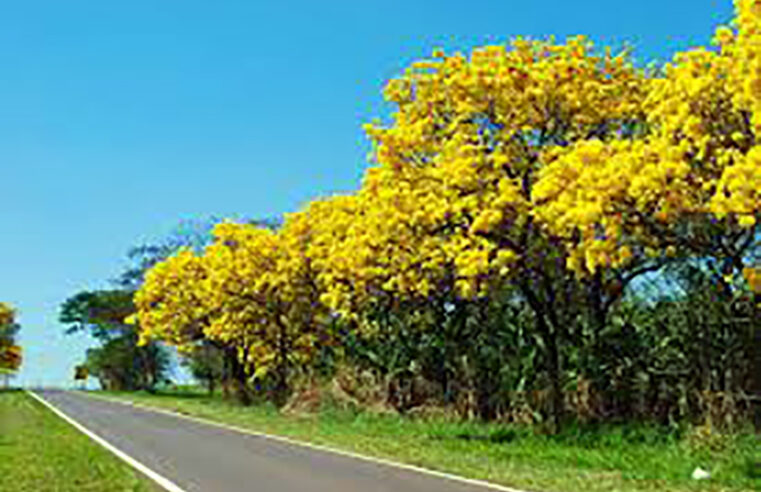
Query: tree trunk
point(242, 392)
point(238, 378)
point(226, 374)
point(554, 374)
point(281, 386)
point(551, 353)
point(755, 382)
point(756, 375)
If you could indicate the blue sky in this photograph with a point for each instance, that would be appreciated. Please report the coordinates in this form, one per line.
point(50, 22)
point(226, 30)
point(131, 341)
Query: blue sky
point(119, 119)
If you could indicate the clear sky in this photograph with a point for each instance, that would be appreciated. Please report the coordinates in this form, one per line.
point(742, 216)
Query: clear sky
point(119, 119)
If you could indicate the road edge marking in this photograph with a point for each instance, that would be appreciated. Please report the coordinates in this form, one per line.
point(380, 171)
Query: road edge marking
point(156, 477)
point(318, 447)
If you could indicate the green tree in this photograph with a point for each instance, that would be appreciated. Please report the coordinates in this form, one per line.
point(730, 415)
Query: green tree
point(118, 363)
point(207, 364)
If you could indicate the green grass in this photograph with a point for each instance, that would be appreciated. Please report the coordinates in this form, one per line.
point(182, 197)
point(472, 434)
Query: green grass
point(39, 452)
point(623, 458)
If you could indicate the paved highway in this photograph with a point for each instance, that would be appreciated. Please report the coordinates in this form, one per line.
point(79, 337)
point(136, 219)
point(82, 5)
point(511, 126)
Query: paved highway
point(200, 457)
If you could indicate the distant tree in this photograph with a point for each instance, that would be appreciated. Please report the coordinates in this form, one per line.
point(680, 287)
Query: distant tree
point(99, 313)
point(207, 364)
point(81, 373)
point(10, 352)
point(118, 363)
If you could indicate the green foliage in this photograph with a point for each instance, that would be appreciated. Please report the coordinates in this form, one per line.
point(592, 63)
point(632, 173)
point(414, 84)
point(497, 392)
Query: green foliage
point(100, 313)
point(206, 364)
point(118, 362)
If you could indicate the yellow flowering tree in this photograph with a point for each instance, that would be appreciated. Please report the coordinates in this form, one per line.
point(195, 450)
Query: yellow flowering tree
point(172, 306)
point(262, 289)
point(253, 291)
point(10, 351)
point(448, 207)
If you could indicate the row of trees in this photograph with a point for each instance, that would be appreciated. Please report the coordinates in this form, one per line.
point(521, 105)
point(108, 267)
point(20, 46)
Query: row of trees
point(545, 228)
point(10, 351)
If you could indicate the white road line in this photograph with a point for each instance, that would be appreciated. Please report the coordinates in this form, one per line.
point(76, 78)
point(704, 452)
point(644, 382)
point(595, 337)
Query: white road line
point(159, 479)
point(318, 447)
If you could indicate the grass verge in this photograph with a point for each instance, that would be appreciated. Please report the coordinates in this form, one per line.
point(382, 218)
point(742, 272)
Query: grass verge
point(613, 458)
point(40, 452)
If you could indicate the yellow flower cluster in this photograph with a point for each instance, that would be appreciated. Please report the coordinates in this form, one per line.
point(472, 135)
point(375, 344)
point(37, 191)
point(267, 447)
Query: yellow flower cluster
point(753, 277)
point(698, 156)
point(739, 189)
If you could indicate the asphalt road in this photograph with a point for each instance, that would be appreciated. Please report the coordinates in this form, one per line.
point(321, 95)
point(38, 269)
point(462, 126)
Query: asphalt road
point(200, 457)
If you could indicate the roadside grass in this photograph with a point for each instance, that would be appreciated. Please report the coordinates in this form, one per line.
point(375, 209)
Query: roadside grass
point(41, 452)
point(633, 457)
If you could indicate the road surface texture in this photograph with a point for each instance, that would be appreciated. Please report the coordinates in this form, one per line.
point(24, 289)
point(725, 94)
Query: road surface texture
point(200, 457)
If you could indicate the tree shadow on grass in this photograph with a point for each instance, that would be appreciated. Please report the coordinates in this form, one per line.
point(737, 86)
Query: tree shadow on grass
point(594, 436)
point(180, 395)
point(497, 436)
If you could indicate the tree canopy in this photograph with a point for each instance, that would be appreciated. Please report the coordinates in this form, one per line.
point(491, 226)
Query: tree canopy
point(10, 351)
point(514, 202)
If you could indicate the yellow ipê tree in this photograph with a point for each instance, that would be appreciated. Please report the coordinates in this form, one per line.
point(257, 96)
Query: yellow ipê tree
point(10, 353)
point(449, 206)
point(252, 291)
